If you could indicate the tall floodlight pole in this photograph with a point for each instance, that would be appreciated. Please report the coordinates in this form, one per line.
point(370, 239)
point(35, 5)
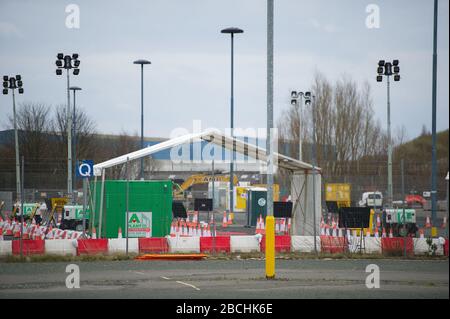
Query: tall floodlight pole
point(388, 69)
point(74, 130)
point(13, 83)
point(232, 31)
point(270, 220)
point(433, 125)
point(142, 63)
point(68, 62)
point(296, 99)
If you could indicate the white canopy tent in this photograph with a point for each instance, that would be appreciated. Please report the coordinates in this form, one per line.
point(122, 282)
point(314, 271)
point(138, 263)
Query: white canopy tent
point(301, 180)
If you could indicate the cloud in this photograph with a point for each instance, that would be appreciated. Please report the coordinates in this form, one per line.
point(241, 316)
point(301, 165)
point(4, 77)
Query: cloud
point(9, 30)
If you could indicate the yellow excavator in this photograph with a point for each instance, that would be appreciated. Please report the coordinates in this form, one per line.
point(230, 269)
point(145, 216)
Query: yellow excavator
point(178, 192)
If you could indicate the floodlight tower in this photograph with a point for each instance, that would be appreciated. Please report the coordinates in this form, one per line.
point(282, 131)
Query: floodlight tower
point(13, 83)
point(388, 69)
point(68, 62)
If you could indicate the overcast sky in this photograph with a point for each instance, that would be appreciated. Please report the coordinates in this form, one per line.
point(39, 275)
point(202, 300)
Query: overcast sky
point(189, 75)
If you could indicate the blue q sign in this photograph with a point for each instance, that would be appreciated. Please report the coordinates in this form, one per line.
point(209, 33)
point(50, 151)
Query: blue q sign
point(85, 168)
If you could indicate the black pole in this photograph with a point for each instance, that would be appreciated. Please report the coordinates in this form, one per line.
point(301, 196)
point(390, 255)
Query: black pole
point(21, 210)
point(232, 127)
point(142, 118)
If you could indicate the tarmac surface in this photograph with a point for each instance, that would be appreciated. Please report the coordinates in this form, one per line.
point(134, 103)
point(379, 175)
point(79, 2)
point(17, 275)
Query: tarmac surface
point(231, 279)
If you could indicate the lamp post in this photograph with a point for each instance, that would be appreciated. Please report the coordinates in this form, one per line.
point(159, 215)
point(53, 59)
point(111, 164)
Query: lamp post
point(68, 62)
point(296, 99)
point(74, 90)
point(232, 31)
point(13, 83)
point(142, 63)
point(310, 99)
point(388, 69)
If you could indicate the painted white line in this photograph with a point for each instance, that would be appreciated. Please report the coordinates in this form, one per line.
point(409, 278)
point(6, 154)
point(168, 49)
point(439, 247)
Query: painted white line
point(186, 284)
point(165, 278)
point(139, 273)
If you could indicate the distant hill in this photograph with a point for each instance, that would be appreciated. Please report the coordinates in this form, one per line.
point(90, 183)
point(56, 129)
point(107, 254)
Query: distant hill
point(419, 149)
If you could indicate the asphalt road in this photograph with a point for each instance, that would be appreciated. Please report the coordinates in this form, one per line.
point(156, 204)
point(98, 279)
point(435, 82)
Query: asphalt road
point(231, 279)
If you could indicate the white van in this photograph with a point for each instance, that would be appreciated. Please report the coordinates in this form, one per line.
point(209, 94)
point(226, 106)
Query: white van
point(371, 199)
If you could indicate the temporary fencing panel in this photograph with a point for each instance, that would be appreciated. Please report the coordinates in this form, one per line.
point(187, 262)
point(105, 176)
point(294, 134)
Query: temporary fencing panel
point(333, 245)
point(92, 246)
point(61, 247)
point(215, 244)
point(396, 246)
point(29, 247)
point(153, 245)
point(184, 244)
point(282, 244)
point(119, 245)
point(304, 244)
point(421, 246)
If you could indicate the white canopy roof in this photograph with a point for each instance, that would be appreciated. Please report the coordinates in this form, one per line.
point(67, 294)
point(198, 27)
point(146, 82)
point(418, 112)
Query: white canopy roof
point(212, 136)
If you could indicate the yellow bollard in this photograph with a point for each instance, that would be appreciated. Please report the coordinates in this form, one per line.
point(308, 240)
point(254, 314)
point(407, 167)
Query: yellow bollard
point(270, 247)
point(434, 232)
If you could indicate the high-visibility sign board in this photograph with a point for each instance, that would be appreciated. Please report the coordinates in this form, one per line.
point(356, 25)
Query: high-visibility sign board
point(139, 223)
point(85, 168)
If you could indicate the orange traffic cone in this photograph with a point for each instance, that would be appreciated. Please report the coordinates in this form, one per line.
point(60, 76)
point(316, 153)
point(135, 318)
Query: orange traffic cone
point(378, 221)
point(428, 223)
point(263, 226)
point(94, 233)
point(376, 232)
point(277, 226)
point(230, 219)
point(421, 233)
point(383, 233)
point(119, 233)
point(391, 233)
point(258, 226)
point(224, 220)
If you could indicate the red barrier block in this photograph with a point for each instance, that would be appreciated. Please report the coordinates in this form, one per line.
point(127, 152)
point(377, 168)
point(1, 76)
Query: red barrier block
point(446, 247)
point(333, 245)
point(30, 247)
point(215, 244)
point(92, 246)
point(395, 246)
point(282, 244)
point(153, 245)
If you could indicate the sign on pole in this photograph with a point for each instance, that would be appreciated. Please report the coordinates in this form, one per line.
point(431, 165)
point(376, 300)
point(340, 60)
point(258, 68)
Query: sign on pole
point(85, 168)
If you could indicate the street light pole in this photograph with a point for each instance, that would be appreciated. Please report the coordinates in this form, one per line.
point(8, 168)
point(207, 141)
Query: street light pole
point(142, 62)
point(74, 89)
point(232, 31)
point(13, 83)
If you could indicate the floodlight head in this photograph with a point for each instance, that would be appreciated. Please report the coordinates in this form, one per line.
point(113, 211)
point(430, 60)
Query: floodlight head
point(58, 71)
point(307, 95)
point(232, 30)
point(76, 71)
point(5, 78)
point(397, 77)
point(18, 77)
point(75, 56)
point(381, 63)
point(294, 94)
point(5, 91)
point(395, 62)
point(380, 70)
point(379, 78)
point(60, 56)
point(5, 84)
point(59, 63)
point(396, 69)
point(19, 83)
point(76, 63)
point(20, 90)
point(293, 102)
point(142, 62)
point(75, 88)
point(307, 101)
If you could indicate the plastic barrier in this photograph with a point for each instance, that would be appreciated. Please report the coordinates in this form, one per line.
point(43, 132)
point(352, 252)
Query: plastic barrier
point(153, 245)
point(61, 247)
point(119, 245)
point(333, 245)
point(215, 244)
point(304, 244)
point(244, 244)
point(5, 247)
point(30, 247)
point(282, 244)
point(184, 244)
point(395, 246)
point(372, 245)
point(421, 246)
point(92, 246)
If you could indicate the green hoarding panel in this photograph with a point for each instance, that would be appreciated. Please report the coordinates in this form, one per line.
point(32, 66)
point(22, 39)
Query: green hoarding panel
point(150, 206)
point(257, 205)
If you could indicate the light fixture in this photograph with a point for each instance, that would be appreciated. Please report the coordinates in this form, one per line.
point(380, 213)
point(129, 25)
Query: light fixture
point(294, 94)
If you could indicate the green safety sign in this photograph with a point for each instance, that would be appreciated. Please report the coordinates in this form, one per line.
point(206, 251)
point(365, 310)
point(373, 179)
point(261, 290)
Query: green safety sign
point(139, 223)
